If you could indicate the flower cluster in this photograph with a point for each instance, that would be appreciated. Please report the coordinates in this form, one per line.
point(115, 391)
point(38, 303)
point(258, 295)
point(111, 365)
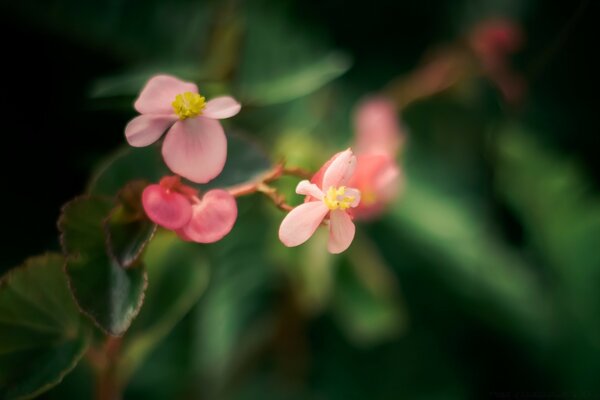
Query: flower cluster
point(194, 147)
point(347, 187)
point(177, 207)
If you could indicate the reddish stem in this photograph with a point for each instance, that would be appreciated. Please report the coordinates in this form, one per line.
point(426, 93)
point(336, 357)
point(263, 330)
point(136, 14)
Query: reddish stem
point(261, 185)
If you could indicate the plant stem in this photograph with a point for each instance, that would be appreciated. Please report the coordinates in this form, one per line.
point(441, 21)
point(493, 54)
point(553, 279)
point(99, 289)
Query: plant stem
point(261, 185)
point(104, 362)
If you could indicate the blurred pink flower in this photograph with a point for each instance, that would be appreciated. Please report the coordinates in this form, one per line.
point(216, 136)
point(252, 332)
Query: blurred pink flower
point(175, 206)
point(379, 137)
point(376, 127)
point(331, 200)
point(195, 146)
point(493, 41)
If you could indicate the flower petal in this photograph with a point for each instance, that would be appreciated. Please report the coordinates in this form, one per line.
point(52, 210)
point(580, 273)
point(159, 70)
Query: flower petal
point(377, 127)
point(341, 232)
point(299, 225)
point(144, 130)
point(196, 149)
point(158, 94)
point(354, 193)
point(212, 218)
point(340, 170)
point(168, 209)
point(309, 189)
point(221, 107)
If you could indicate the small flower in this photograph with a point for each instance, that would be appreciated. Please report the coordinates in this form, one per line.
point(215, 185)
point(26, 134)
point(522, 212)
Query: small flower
point(379, 137)
point(195, 146)
point(376, 127)
point(177, 207)
point(331, 200)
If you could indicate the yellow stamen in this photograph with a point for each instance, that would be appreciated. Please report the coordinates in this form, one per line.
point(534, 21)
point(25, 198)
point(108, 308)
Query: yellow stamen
point(335, 199)
point(188, 105)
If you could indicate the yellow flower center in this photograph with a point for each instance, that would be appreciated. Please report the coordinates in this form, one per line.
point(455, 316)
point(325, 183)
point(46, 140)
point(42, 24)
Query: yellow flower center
point(335, 199)
point(188, 105)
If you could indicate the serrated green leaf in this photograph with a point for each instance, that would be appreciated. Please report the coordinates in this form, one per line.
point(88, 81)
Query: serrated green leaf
point(106, 292)
point(42, 334)
point(127, 228)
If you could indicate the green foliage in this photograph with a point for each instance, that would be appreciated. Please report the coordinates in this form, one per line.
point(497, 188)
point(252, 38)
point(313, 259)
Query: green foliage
point(42, 334)
point(105, 291)
point(366, 299)
point(127, 229)
point(178, 274)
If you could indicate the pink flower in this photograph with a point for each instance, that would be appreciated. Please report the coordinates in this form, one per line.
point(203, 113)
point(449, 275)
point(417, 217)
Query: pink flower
point(330, 200)
point(379, 137)
point(195, 146)
point(177, 207)
point(376, 126)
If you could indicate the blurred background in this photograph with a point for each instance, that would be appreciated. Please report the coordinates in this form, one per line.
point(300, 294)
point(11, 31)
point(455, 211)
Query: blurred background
point(480, 281)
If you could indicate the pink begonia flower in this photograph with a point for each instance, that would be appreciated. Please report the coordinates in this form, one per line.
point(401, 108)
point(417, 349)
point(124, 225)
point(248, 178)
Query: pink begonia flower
point(177, 207)
point(330, 200)
point(195, 146)
point(376, 127)
point(379, 137)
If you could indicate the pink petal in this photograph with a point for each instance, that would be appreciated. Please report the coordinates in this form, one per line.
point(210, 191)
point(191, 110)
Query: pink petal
point(309, 189)
point(196, 149)
point(377, 128)
point(212, 218)
point(158, 94)
point(144, 130)
point(168, 209)
point(221, 107)
point(355, 193)
point(341, 232)
point(300, 224)
point(340, 170)
point(379, 179)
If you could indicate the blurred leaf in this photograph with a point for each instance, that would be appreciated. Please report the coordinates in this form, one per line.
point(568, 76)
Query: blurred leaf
point(130, 83)
point(173, 30)
point(366, 299)
point(450, 231)
point(561, 211)
point(127, 228)
point(179, 274)
point(296, 83)
point(245, 160)
point(561, 215)
point(42, 334)
point(281, 61)
point(107, 293)
point(233, 317)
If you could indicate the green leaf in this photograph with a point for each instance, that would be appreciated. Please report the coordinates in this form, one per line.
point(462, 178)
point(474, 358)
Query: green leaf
point(42, 334)
point(245, 161)
point(128, 230)
point(107, 293)
point(448, 230)
point(367, 300)
point(233, 317)
point(179, 275)
point(281, 61)
point(296, 83)
point(560, 211)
